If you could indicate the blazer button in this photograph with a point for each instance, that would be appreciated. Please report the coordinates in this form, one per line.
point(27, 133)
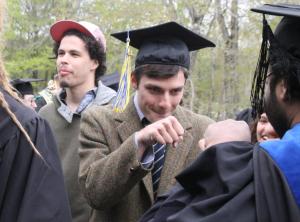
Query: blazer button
point(132, 169)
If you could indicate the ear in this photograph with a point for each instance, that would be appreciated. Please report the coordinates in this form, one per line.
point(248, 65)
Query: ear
point(281, 90)
point(134, 82)
point(94, 65)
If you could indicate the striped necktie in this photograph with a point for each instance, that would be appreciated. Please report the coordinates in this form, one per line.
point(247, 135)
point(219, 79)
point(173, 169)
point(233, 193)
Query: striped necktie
point(159, 158)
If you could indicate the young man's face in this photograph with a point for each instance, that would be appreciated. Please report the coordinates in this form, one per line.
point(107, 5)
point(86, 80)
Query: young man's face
point(158, 97)
point(29, 101)
point(74, 66)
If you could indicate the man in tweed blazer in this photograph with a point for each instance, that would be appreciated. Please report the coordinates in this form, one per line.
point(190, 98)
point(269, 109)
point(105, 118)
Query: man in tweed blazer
point(116, 154)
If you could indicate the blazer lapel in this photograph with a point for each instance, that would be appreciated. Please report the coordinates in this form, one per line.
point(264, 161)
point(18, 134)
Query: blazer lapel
point(129, 124)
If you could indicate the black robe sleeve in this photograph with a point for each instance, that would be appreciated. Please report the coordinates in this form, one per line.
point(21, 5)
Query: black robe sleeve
point(229, 182)
point(31, 188)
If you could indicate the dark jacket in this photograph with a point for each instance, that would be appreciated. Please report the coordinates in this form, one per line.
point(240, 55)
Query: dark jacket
point(229, 182)
point(31, 188)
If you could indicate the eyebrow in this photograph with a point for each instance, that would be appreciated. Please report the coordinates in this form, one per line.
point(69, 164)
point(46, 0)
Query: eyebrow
point(156, 86)
point(71, 51)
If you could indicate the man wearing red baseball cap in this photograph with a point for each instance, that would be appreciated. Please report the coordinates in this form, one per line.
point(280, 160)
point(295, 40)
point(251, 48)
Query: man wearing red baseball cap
point(80, 52)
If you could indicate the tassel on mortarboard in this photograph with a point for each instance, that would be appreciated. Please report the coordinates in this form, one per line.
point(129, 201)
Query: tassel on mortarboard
point(260, 74)
point(123, 94)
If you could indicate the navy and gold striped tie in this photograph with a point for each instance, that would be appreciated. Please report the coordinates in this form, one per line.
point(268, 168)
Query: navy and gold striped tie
point(159, 158)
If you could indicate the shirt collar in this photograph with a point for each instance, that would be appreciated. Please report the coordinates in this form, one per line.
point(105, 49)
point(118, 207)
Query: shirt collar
point(137, 107)
point(64, 110)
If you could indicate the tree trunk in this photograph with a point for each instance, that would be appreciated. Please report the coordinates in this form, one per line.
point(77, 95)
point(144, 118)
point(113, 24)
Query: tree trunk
point(230, 95)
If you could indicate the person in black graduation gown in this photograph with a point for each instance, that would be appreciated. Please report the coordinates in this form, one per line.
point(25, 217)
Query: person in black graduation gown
point(31, 185)
point(234, 180)
point(24, 87)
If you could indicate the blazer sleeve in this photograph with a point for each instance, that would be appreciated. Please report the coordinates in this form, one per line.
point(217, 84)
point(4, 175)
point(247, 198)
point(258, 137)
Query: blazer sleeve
point(108, 168)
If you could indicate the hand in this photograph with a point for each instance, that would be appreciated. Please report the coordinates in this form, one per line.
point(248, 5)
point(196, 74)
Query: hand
point(225, 131)
point(164, 131)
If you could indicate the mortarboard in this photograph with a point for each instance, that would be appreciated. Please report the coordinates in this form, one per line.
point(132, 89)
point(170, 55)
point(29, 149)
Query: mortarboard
point(168, 44)
point(287, 31)
point(279, 10)
point(285, 38)
point(24, 85)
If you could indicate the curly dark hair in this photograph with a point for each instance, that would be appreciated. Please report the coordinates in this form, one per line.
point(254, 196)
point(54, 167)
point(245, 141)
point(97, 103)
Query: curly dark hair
point(96, 52)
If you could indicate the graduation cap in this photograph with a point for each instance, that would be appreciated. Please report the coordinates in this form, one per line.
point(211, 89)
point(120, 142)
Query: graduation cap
point(279, 10)
point(287, 31)
point(111, 80)
point(24, 85)
point(167, 44)
point(285, 38)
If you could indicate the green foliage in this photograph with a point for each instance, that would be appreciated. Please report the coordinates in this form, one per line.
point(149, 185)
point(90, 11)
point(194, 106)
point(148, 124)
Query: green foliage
point(28, 45)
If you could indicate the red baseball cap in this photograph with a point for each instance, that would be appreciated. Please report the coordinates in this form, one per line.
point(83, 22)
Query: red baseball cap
point(59, 28)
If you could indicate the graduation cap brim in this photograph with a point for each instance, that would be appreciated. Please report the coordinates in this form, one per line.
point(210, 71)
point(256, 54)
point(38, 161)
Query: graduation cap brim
point(165, 44)
point(24, 85)
point(289, 10)
point(192, 40)
point(287, 32)
point(25, 80)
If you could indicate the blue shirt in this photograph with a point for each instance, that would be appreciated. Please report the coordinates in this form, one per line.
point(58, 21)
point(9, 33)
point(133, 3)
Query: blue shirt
point(65, 111)
point(286, 154)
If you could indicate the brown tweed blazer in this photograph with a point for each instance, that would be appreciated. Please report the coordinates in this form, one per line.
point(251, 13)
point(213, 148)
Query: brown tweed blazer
point(110, 175)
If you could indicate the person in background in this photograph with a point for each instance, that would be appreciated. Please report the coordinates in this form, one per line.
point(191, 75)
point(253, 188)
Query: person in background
point(245, 115)
point(25, 89)
point(235, 180)
point(263, 129)
point(127, 158)
point(80, 51)
point(46, 95)
point(32, 186)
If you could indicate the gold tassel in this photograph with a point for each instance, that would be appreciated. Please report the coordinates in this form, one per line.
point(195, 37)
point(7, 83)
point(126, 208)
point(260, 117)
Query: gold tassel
point(123, 94)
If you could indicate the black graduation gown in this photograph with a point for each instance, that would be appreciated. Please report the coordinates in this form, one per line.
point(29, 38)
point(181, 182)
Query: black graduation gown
point(229, 182)
point(31, 189)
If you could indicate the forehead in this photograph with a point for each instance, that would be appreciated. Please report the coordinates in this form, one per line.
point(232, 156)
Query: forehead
point(72, 42)
point(173, 81)
point(28, 96)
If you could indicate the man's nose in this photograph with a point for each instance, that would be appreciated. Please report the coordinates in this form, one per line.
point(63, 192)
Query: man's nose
point(165, 100)
point(63, 59)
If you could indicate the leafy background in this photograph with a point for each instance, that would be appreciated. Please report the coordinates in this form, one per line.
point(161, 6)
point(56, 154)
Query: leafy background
point(220, 81)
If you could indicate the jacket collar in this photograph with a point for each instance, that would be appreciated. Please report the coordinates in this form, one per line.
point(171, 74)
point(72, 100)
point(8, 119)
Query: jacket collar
point(104, 95)
point(130, 123)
